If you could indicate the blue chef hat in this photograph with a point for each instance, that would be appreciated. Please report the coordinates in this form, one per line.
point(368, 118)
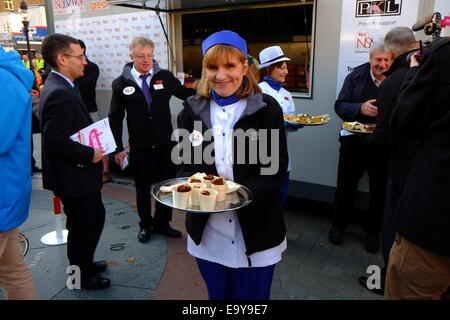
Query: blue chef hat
point(225, 37)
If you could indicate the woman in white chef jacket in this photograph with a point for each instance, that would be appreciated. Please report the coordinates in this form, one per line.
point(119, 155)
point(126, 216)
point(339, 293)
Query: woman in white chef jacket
point(274, 71)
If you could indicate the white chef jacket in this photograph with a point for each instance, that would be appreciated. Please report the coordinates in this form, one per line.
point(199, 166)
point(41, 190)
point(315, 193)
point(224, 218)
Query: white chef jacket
point(284, 99)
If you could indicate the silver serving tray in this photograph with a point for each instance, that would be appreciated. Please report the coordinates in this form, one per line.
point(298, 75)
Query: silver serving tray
point(233, 201)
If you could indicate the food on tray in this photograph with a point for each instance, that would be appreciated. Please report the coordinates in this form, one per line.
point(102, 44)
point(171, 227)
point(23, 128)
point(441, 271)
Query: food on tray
point(207, 201)
point(358, 126)
point(183, 188)
point(207, 179)
point(303, 118)
point(166, 188)
point(232, 186)
point(218, 181)
point(220, 184)
point(198, 176)
point(181, 195)
point(196, 188)
point(188, 194)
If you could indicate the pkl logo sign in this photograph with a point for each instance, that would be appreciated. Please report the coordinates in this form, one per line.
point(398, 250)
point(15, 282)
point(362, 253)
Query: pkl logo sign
point(378, 8)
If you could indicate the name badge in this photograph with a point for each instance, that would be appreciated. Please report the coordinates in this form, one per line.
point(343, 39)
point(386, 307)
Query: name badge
point(128, 90)
point(196, 138)
point(158, 86)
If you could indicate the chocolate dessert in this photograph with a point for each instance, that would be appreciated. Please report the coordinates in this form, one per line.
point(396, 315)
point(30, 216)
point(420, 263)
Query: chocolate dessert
point(218, 181)
point(183, 188)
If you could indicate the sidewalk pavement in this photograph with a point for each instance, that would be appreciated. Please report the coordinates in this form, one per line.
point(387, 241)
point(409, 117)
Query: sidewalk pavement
point(161, 269)
point(311, 267)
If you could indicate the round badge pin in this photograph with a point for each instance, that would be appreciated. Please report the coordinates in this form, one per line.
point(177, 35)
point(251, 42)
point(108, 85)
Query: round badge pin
point(129, 90)
point(196, 138)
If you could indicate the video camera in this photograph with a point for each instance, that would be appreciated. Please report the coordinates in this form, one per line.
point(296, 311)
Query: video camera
point(432, 26)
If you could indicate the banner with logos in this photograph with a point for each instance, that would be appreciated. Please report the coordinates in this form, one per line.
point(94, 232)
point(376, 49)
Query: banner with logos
point(363, 23)
point(107, 39)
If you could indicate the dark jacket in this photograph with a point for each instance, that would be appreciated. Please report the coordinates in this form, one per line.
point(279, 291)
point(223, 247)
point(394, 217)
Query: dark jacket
point(261, 221)
point(400, 150)
point(146, 129)
point(86, 85)
point(349, 101)
point(423, 113)
point(67, 167)
point(348, 106)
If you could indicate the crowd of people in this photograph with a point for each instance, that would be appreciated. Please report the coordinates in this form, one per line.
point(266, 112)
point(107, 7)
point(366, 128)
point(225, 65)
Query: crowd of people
point(406, 158)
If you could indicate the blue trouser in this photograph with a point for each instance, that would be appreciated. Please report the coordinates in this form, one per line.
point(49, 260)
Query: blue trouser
point(284, 189)
point(224, 283)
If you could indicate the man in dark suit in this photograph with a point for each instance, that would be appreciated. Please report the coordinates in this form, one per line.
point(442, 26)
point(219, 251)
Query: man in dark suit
point(143, 91)
point(71, 170)
point(357, 102)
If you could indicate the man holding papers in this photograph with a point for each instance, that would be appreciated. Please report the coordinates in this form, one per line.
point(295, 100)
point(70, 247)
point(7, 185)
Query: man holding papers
point(73, 171)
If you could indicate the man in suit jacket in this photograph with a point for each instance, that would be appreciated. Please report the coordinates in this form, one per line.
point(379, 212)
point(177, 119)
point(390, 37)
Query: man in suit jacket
point(71, 170)
point(144, 91)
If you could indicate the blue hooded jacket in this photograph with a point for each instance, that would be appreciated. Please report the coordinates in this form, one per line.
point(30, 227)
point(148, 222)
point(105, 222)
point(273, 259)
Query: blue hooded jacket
point(15, 143)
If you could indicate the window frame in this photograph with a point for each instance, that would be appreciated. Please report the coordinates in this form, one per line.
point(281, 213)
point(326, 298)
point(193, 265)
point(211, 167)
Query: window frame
point(9, 3)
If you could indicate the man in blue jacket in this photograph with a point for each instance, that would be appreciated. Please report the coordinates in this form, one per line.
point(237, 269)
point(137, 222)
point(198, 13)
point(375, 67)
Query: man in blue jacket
point(357, 102)
point(15, 174)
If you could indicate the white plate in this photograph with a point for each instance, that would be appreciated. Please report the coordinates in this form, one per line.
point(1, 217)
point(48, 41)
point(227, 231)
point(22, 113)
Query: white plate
point(232, 186)
point(325, 119)
point(357, 130)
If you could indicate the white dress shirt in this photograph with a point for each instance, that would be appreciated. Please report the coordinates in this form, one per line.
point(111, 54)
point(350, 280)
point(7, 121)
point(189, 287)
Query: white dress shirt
point(284, 99)
point(65, 78)
point(222, 240)
point(136, 76)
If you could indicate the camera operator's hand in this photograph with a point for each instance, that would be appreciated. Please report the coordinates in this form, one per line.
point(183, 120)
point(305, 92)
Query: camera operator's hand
point(414, 62)
point(369, 109)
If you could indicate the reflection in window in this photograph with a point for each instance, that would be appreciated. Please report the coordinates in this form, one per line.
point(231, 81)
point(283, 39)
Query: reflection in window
point(287, 25)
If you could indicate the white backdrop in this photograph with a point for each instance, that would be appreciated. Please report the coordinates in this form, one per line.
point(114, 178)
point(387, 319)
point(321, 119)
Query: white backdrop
point(107, 39)
point(359, 30)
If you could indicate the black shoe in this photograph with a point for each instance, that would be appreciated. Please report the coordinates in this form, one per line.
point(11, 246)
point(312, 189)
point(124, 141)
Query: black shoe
point(363, 282)
point(95, 283)
point(144, 235)
point(372, 244)
point(335, 236)
point(167, 231)
point(98, 266)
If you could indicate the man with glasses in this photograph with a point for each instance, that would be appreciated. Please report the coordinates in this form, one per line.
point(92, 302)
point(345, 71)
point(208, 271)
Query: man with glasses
point(143, 91)
point(71, 170)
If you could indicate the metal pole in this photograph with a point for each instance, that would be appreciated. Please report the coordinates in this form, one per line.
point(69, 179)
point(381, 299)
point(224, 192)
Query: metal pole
point(25, 26)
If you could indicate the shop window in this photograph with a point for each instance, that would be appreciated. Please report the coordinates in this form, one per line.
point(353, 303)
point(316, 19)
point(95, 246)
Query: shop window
point(9, 5)
point(289, 25)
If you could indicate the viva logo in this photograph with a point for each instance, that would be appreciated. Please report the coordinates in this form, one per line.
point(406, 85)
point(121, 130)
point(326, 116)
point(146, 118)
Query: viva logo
point(94, 140)
point(62, 4)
